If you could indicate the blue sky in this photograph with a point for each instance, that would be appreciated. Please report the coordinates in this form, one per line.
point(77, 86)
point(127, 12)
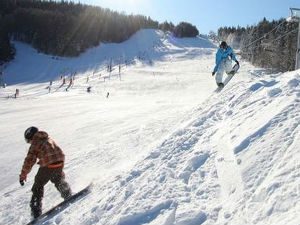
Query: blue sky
point(207, 15)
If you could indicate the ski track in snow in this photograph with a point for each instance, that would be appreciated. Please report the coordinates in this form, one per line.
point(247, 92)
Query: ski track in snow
point(180, 156)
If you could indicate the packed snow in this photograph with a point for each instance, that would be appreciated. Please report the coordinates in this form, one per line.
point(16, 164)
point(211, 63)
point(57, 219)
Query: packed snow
point(160, 145)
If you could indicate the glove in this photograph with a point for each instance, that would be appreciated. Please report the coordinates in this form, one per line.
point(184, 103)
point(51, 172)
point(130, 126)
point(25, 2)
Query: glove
point(237, 62)
point(21, 182)
point(213, 73)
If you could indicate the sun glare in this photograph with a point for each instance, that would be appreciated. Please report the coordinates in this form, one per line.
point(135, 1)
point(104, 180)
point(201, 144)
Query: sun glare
point(128, 6)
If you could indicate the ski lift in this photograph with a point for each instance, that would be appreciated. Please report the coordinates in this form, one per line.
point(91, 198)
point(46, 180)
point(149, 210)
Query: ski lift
point(295, 15)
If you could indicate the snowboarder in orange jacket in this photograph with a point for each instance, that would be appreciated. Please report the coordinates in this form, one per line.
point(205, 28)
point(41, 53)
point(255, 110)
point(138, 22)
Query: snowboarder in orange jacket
point(51, 161)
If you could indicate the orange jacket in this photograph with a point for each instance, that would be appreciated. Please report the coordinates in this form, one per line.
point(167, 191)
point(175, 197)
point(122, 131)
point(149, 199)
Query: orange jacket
point(44, 149)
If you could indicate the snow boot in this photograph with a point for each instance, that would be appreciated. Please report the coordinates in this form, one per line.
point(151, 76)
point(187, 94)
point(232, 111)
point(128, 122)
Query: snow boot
point(36, 207)
point(35, 214)
point(220, 85)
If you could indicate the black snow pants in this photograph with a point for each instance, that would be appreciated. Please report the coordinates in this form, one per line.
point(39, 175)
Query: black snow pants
point(56, 176)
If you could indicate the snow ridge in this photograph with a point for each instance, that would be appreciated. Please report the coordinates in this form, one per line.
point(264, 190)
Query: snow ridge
point(205, 174)
point(214, 171)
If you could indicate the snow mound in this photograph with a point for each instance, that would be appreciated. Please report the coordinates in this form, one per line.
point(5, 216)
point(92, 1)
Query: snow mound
point(240, 167)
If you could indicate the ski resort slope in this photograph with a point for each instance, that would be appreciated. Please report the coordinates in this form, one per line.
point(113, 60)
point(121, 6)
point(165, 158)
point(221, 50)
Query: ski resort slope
point(163, 148)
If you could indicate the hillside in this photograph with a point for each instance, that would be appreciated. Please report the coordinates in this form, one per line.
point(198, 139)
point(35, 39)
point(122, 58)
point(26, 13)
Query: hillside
point(163, 148)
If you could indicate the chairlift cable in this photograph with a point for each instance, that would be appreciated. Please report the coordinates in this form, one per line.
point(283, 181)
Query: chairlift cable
point(265, 35)
point(278, 37)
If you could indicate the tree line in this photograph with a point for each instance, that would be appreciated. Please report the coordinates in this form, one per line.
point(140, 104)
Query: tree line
point(65, 28)
point(183, 29)
point(269, 44)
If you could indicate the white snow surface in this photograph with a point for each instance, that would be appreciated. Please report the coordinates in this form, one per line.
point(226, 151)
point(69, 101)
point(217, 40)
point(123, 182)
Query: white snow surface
point(164, 148)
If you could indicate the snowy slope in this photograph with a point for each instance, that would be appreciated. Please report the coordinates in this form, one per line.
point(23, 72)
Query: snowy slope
point(164, 148)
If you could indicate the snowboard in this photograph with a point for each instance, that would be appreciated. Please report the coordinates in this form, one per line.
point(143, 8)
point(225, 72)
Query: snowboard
point(234, 69)
point(61, 206)
point(230, 74)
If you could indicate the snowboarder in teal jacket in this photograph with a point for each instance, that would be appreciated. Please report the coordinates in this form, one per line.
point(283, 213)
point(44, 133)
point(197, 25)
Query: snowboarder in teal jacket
point(223, 62)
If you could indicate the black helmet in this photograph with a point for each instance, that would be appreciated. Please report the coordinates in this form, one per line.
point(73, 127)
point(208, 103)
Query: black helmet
point(29, 133)
point(223, 45)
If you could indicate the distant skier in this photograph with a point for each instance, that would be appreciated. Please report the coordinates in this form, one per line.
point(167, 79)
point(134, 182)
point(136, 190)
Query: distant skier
point(223, 62)
point(17, 93)
point(1, 78)
point(49, 87)
point(51, 161)
point(71, 81)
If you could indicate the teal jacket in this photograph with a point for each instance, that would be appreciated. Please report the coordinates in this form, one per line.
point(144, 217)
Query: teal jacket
point(221, 54)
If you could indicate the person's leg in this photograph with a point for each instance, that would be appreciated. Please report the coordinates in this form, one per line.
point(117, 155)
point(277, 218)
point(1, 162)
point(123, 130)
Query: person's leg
point(58, 178)
point(220, 72)
point(228, 66)
point(41, 179)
